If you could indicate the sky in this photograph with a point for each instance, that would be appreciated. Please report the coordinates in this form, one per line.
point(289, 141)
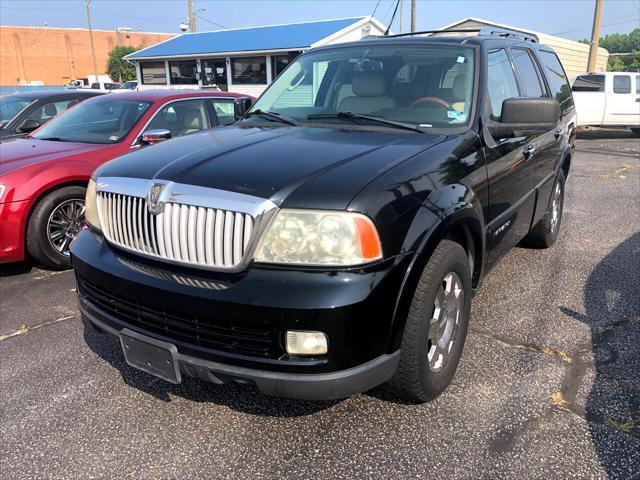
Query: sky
point(567, 18)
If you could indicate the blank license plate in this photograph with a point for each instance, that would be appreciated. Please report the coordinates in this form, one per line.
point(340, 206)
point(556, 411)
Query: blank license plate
point(150, 355)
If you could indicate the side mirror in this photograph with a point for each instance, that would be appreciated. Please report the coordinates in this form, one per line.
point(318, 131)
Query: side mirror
point(526, 115)
point(28, 126)
point(155, 136)
point(241, 106)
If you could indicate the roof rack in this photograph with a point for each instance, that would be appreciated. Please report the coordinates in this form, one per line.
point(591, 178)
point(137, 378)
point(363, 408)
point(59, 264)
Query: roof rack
point(487, 31)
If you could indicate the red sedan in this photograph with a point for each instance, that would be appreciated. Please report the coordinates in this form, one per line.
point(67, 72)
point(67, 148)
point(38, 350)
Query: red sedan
point(43, 177)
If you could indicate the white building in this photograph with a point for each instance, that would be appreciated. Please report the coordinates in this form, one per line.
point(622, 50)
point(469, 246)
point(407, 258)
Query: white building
point(243, 60)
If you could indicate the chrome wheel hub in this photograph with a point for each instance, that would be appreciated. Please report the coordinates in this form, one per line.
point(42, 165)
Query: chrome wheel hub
point(64, 223)
point(445, 320)
point(555, 207)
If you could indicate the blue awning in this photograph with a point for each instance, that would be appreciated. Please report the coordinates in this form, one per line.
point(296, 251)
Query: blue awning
point(277, 37)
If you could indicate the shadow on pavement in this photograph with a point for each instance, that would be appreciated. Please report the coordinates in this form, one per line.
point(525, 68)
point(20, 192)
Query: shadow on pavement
point(242, 398)
point(612, 303)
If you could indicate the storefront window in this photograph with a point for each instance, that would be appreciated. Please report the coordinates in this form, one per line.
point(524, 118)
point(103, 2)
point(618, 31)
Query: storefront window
point(249, 70)
point(214, 72)
point(183, 72)
point(153, 73)
point(280, 62)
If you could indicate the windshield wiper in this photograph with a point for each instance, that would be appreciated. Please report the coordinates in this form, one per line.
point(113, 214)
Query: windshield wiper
point(272, 116)
point(52, 139)
point(370, 118)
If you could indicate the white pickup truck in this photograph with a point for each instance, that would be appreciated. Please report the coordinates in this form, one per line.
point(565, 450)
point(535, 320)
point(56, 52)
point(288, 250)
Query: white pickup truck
point(608, 99)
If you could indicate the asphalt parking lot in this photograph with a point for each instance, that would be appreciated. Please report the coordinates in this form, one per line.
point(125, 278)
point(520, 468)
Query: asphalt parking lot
point(548, 386)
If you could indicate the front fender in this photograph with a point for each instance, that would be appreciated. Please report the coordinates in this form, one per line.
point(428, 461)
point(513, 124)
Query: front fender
point(452, 208)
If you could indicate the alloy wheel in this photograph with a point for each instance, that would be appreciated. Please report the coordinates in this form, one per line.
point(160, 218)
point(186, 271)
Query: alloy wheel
point(445, 320)
point(64, 223)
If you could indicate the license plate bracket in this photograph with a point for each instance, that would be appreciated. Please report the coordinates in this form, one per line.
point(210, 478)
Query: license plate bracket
point(150, 355)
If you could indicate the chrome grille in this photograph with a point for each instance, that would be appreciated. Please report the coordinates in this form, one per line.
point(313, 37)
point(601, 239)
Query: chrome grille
point(189, 234)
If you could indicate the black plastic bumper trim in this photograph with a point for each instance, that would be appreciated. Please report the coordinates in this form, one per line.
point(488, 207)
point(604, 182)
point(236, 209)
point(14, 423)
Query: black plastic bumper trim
point(312, 386)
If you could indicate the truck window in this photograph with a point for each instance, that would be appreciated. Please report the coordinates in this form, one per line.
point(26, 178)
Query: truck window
point(637, 83)
point(528, 73)
point(501, 80)
point(589, 83)
point(621, 84)
point(558, 83)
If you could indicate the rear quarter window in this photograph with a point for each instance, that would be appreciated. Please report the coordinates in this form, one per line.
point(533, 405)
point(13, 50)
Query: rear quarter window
point(621, 84)
point(557, 79)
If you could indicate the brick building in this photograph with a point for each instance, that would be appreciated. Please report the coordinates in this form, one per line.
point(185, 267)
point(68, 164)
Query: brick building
point(53, 56)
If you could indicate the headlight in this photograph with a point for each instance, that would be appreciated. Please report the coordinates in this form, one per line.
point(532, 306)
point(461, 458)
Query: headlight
point(91, 206)
point(316, 237)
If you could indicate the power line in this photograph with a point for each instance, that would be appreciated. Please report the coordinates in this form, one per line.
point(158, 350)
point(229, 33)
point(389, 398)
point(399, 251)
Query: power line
point(587, 28)
point(202, 17)
point(374, 10)
point(392, 17)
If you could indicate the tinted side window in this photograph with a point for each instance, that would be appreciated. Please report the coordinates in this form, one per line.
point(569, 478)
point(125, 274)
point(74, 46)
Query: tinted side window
point(557, 79)
point(589, 83)
point(621, 84)
point(224, 110)
point(501, 80)
point(638, 84)
point(528, 73)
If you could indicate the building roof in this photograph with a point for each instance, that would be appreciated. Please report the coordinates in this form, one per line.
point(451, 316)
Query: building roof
point(269, 38)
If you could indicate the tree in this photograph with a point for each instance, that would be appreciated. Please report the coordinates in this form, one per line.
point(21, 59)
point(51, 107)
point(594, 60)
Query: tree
point(117, 67)
point(615, 64)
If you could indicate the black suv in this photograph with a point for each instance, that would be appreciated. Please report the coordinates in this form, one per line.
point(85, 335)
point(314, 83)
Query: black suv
point(332, 239)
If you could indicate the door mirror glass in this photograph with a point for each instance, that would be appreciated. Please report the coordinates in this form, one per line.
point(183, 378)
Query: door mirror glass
point(28, 126)
point(241, 106)
point(157, 135)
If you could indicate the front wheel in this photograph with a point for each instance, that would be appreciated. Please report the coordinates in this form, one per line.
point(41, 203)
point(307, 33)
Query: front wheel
point(436, 327)
point(545, 232)
point(54, 223)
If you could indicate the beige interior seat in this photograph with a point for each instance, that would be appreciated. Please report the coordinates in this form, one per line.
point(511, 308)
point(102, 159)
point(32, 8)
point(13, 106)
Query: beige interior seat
point(193, 120)
point(458, 93)
point(369, 94)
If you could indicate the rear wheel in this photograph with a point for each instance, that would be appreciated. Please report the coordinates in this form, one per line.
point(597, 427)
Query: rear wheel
point(436, 327)
point(54, 223)
point(545, 232)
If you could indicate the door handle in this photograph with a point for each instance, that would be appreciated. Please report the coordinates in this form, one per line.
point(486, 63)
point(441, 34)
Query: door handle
point(529, 150)
point(559, 132)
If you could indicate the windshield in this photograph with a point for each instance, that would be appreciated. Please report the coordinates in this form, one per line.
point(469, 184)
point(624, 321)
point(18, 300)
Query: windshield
point(12, 106)
point(105, 120)
point(422, 85)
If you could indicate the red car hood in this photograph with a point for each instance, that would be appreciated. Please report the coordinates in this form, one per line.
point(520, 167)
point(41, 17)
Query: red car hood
point(22, 153)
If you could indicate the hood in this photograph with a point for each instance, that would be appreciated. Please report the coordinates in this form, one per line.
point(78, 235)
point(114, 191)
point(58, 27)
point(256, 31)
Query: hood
point(21, 153)
point(295, 167)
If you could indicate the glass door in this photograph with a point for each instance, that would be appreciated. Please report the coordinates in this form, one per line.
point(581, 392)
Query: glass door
point(214, 72)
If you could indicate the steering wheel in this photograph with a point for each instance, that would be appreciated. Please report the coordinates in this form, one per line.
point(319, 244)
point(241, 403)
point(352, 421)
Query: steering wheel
point(438, 101)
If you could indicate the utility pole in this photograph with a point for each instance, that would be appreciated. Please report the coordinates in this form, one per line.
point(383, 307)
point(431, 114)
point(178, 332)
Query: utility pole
point(595, 37)
point(192, 17)
point(93, 50)
point(413, 15)
point(401, 2)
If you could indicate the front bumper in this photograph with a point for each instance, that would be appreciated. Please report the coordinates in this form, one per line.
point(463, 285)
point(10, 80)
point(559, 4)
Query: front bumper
point(354, 308)
point(13, 217)
point(321, 386)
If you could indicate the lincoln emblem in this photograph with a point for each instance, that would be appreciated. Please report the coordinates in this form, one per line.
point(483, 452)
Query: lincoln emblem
point(154, 205)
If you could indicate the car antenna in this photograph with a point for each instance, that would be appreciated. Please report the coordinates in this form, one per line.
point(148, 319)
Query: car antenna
point(386, 32)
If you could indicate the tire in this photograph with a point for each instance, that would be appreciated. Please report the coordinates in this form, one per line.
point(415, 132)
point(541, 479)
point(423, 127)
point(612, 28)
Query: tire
point(545, 232)
point(423, 374)
point(636, 131)
point(47, 229)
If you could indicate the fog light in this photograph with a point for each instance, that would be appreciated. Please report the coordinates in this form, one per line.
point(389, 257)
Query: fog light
point(306, 343)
